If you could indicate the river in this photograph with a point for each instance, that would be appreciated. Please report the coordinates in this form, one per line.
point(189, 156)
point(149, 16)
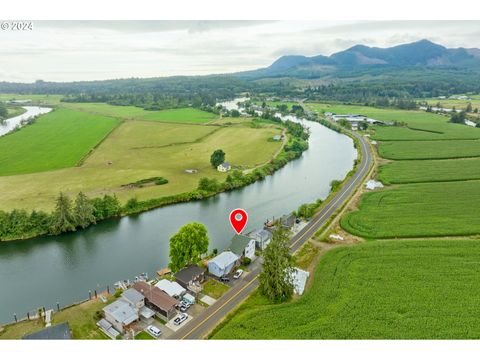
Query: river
point(10, 124)
point(42, 271)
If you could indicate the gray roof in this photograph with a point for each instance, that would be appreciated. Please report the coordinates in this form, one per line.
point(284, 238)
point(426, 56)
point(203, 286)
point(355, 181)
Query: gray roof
point(224, 259)
point(121, 311)
point(189, 273)
point(261, 235)
point(226, 164)
point(57, 332)
point(133, 295)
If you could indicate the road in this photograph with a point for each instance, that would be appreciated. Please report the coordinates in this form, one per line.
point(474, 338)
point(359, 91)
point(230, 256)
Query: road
point(203, 324)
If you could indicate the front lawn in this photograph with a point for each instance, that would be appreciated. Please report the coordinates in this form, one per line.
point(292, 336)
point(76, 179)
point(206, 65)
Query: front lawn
point(214, 288)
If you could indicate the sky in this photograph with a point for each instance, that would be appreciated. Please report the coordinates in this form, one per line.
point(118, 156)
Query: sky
point(98, 50)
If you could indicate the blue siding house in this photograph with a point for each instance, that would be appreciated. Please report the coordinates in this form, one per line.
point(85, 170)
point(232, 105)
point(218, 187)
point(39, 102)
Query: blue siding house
point(222, 264)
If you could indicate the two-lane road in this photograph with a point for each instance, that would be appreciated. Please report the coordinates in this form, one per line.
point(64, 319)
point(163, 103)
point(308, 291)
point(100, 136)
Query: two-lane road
point(199, 327)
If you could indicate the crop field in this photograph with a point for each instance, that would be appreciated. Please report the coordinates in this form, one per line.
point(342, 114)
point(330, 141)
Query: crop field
point(376, 290)
point(57, 140)
point(184, 115)
point(451, 103)
point(417, 210)
point(441, 149)
point(137, 150)
point(401, 172)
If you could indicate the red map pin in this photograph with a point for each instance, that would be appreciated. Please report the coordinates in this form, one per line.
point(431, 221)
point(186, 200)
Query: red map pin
point(238, 220)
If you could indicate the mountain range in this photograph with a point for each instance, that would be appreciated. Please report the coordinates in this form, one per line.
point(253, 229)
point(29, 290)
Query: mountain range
point(423, 53)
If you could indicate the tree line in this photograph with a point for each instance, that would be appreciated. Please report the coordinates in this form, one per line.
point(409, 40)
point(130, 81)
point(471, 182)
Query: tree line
point(68, 215)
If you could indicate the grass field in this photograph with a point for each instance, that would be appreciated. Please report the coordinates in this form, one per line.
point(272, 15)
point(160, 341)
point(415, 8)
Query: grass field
point(36, 98)
point(184, 115)
point(57, 140)
point(138, 150)
point(417, 210)
point(214, 288)
point(80, 319)
point(451, 103)
point(442, 149)
point(378, 290)
point(401, 172)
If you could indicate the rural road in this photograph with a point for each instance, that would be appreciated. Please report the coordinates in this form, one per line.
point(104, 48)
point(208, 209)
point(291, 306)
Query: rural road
point(203, 324)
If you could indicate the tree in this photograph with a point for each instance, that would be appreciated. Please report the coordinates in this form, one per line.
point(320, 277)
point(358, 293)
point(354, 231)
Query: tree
point(276, 278)
point(207, 184)
point(63, 218)
point(3, 111)
point(83, 211)
point(469, 108)
point(458, 117)
point(188, 245)
point(217, 158)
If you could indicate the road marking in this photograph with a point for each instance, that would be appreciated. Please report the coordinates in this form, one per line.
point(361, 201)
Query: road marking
point(234, 296)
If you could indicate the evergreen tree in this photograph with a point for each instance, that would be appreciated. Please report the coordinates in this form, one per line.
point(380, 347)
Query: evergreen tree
point(83, 211)
point(276, 278)
point(217, 158)
point(63, 218)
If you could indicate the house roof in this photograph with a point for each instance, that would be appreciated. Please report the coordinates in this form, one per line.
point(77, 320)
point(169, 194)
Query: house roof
point(261, 234)
point(122, 311)
point(172, 288)
point(299, 280)
point(57, 332)
point(155, 296)
point(238, 244)
point(224, 259)
point(132, 295)
point(226, 164)
point(288, 220)
point(189, 273)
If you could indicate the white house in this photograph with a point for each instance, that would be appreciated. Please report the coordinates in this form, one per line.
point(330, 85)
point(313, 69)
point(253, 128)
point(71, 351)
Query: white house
point(262, 238)
point(243, 246)
point(222, 264)
point(120, 313)
point(224, 167)
point(172, 288)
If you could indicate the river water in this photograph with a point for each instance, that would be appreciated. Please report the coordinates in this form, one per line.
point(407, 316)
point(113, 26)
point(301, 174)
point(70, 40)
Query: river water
point(10, 124)
point(42, 271)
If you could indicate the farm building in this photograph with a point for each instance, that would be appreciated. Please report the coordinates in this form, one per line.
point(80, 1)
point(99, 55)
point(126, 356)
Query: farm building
point(224, 167)
point(120, 314)
point(262, 238)
point(57, 332)
point(172, 288)
point(157, 300)
point(222, 264)
point(299, 280)
point(191, 277)
point(243, 246)
point(372, 185)
point(277, 138)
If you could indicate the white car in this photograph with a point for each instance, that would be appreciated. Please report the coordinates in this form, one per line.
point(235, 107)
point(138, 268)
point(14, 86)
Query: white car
point(154, 331)
point(180, 319)
point(238, 274)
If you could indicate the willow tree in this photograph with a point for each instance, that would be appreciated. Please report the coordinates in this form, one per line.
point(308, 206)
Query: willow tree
point(276, 278)
point(188, 245)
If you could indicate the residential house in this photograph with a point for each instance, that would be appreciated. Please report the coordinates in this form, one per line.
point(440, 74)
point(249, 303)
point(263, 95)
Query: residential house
point(172, 288)
point(157, 300)
point(120, 314)
point(191, 277)
point(222, 264)
point(224, 167)
point(262, 238)
point(243, 246)
point(287, 221)
point(137, 300)
point(57, 332)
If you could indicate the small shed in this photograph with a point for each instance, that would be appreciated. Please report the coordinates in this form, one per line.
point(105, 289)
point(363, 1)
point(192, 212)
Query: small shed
point(222, 264)
point(372, 185)
point(300, 278)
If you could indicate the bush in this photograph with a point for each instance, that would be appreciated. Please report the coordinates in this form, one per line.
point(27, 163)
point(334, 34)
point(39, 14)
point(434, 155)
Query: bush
point(118, 293)
point(246, 261)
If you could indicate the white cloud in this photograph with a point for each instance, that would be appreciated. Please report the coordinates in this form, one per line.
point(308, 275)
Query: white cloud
point(88, 50)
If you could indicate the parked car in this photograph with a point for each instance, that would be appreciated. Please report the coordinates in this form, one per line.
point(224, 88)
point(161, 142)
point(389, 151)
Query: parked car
point(154, 331)
point(238, 274)
point(224, 279)
point(180, 319)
